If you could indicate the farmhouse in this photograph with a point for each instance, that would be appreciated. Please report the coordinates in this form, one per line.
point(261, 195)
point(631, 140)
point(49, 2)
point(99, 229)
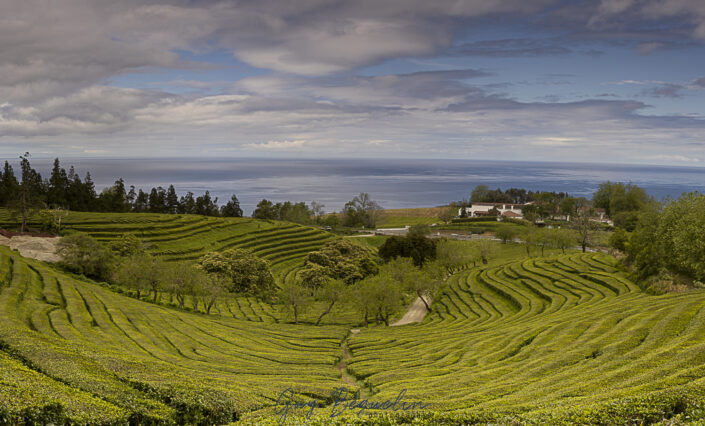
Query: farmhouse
point(483, 209)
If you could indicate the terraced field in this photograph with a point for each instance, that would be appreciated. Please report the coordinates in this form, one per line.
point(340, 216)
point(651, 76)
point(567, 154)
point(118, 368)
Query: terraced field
point(80, 352)
point(562, 338)
point(187, 237)
point(557, 339)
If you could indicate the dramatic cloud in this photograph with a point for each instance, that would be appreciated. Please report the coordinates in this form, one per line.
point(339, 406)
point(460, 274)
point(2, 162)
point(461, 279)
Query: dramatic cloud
point(468, 78)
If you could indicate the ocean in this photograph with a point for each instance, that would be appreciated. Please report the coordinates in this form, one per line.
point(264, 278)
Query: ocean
point(393, 183)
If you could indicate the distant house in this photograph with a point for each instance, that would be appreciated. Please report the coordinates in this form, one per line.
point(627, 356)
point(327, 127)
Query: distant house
point(483, 209)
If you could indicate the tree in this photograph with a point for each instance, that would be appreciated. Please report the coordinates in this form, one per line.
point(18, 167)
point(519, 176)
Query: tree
point(157, 200)
point(681, 234)
point(114, 199)
point(317, 211)
point(617, 197)
point(486, 249)
point(172, 201)
point(248, 273)
point(231, 208)
point(129, 273)
point(183, 279)
point(58, 186)
point(479, 194)
point(361, 211)
point(531, 238)
point(29, 193)
point(264, 210)
point(338, 259)
point(506, 234)
point(127, 245)
point(332, 292)
point(380, 296)
point(530, 212)
point(56, 216)
point(215, 287)
point(141, 271)
point(9, 186)
point(423, 283)
point(447, 214)
point(563, 239)
point(417, 247)
point(582, 223)
point(187, 204)
point(619, 239)
point(454, 255)
point(206, 206)
point(295, 298)
point(84, 255)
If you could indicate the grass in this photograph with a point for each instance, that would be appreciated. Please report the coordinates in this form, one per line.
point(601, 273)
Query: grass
point(100, 355)
point(399, 218)
point(545, 339)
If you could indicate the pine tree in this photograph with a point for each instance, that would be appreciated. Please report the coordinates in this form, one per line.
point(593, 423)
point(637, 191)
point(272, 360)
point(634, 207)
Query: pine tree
point(8, 185)
point(58, 186)
point(187, 205)
point(29, 194)
point(232, 208)
point(172, 201)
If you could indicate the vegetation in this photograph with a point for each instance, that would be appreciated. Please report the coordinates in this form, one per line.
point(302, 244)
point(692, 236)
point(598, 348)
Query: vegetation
point(248, 273)
point(414, 246)
point(361, 211)
point(669, 239)
point(338, 260)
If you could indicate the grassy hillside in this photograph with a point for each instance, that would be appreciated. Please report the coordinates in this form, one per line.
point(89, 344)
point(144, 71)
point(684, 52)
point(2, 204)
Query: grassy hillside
point(77, 350)
point(187, 237)
point(398, 218)
point(561, 338)
point(557, 339)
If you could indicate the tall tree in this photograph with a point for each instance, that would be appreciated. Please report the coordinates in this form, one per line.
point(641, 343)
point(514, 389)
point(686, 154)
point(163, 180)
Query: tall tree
point(264, 210)
point(9, 186)
point(172, 200)
point(295, 298)
point(331, 292)
point(361, 211)
point(231, 208)
point(58, 186)
point(187, 204)
point(29, 194)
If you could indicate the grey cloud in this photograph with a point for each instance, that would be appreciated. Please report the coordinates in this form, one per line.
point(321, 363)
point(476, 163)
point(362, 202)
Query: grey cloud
point(512, 47)
point(668, 90)
point(700, 82)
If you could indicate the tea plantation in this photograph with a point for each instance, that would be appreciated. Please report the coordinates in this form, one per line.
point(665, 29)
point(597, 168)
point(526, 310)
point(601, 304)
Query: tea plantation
point(560, 339)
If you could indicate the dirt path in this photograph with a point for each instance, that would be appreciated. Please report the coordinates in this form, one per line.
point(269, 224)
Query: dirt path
point(40, 248)
point(416, 313)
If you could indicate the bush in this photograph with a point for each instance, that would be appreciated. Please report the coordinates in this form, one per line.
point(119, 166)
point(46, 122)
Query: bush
point(249, 273)
point(417, 247)
point(84, 255)
point(339, 259)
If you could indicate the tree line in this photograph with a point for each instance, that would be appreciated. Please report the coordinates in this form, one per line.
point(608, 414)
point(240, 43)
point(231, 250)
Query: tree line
point(66, 190)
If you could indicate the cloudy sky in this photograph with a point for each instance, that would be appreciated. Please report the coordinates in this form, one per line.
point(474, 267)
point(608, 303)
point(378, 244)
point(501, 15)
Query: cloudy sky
point(619, 81)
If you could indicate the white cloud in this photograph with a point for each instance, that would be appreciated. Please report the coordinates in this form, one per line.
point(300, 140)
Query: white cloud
point(277, 145)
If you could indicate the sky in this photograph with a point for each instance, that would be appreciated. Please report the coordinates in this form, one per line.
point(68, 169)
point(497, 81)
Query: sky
point(610, 81)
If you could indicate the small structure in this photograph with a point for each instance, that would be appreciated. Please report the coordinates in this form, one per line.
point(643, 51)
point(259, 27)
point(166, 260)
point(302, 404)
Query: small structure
point(483, 209)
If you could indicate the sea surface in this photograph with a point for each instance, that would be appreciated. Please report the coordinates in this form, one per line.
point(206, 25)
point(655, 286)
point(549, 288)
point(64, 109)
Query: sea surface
point(393, 183)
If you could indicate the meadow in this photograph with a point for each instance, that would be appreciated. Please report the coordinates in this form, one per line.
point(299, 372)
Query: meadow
point(554, 339)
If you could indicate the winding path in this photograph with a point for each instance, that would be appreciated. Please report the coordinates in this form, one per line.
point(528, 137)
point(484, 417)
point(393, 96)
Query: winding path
point(416, 313)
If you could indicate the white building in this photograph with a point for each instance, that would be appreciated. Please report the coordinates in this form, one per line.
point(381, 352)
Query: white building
point(483, 209)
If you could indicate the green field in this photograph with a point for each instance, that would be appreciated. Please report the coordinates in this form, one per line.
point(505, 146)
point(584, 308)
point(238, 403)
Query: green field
point(554, 339)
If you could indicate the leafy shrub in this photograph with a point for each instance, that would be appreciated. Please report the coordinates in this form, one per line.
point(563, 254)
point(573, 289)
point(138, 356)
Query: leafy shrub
point(339, 259)
point(84, 255)
point(249, 273)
